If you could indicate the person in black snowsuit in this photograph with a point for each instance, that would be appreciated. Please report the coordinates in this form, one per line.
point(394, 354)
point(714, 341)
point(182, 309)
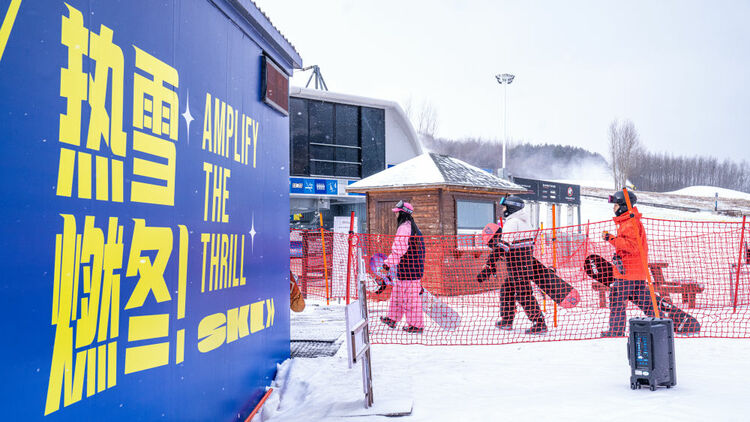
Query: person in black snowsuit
point(517, 249)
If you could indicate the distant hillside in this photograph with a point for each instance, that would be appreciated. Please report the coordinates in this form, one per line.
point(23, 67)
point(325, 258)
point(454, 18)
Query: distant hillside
point(524, 160)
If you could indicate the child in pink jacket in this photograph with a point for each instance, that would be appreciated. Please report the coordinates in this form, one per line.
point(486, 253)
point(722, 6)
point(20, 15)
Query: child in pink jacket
point(408, 253)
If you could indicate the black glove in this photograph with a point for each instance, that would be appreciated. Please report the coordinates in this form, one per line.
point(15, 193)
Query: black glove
point(382, 272)
point(382, 285)
point(381, 282)
point(486, 273)
point(481, 276)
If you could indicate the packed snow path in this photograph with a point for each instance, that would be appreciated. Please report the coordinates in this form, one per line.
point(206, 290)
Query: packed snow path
point(560, 381)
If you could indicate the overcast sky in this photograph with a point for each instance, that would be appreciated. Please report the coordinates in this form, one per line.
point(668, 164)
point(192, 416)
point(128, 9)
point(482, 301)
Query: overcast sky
point(677, 69)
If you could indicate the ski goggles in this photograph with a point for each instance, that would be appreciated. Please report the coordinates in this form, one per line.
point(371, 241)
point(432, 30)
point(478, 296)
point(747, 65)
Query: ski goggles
point(403, 206)
point(505, 201)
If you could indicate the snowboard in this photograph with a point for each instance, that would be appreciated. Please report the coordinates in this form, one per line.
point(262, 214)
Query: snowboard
point(602, 271)
point(445, 316)
point(599, 269)
point(376, 261)
point(557, 289)
point(546, 279)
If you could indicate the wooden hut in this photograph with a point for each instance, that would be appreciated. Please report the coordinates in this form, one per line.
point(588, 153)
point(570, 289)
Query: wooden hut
point(453, 200)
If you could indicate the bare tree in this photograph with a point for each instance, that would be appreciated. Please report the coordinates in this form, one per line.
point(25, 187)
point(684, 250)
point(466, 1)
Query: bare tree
point(624, 148)
point(424, 118)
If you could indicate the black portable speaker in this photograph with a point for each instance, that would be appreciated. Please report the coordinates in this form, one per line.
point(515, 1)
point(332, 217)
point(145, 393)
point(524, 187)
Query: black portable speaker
point(651, 353)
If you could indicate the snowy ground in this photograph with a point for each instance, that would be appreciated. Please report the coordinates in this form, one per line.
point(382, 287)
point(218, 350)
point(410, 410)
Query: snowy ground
point(561, 380)
point(574, 380)
point(598, 209)
point(710, 192)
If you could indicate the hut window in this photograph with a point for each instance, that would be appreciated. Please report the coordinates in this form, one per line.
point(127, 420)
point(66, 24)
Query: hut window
point(471, 217)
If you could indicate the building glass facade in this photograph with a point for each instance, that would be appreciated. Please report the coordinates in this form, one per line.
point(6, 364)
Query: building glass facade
point(335, 140)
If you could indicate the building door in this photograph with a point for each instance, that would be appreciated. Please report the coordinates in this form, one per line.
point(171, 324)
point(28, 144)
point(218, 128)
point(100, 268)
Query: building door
point(385, 219)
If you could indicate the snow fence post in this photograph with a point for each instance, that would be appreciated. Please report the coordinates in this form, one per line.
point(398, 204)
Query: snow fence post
point(554, 256)
point(644, 259)
point(739, 263)
point(358, 339)
point(349, 256)
point(325, 264)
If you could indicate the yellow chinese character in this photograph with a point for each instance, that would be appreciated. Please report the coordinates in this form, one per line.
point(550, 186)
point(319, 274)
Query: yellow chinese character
point(84, 259)
point(151, 280)
point(155, 107)
point(154, 326)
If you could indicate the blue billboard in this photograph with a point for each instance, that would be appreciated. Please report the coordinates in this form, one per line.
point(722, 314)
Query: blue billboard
point(144, 255)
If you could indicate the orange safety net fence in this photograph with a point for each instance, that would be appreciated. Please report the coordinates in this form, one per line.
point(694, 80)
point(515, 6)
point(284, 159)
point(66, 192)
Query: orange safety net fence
point(700, 273)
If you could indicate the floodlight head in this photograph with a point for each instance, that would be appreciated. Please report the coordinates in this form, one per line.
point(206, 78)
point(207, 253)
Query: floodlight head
point(504, 78)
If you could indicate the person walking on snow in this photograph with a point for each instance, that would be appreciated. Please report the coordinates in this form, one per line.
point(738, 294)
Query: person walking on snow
point(516, 242)
point(629, 275)
point(407, 253)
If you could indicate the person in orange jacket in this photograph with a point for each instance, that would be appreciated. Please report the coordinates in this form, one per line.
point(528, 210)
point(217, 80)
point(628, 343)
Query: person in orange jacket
point(630, 274)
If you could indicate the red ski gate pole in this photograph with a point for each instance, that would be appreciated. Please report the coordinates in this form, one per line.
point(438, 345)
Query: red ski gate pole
point(349, 256)
point(739, 263)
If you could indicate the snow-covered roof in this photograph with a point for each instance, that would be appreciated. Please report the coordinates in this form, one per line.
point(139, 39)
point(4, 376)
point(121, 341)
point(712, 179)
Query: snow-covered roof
point(402, 120)
point(431, 169)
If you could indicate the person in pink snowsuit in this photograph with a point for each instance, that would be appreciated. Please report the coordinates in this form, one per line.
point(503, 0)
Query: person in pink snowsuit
point(407, 253)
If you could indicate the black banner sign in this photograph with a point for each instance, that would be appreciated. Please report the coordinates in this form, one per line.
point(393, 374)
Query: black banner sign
point(545, 191)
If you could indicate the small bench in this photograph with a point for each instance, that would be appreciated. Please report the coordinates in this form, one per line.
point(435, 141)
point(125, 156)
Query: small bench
point(602, 290)
point(687, 288)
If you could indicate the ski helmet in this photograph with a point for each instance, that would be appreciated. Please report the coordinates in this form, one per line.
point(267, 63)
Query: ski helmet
point(619, 199)
point(403, 207)
point(512, 204)
point(489, 231)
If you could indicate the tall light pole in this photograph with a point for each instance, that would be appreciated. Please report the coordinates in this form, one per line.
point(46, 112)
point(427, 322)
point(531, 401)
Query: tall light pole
point(505, 79)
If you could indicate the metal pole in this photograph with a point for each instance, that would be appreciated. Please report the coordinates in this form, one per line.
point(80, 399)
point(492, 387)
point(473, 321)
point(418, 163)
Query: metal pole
point(505, 79)
point(505, 124)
